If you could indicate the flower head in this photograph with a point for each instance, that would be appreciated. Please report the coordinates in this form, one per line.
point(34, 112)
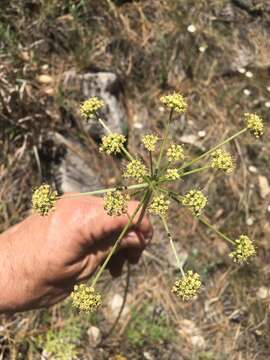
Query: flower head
point(135, 169)
point(116, 203)
point(222, 160)
point(175, 153)
point(90, 107)
point(195, 201)
point(244, 249)
point(175, 102)
point(159, 205)
point(112, 144)
point(172, 174)
point(254, 124)
point(187, 286)
point(85, 298)
point(149, 142)
point(44, 199)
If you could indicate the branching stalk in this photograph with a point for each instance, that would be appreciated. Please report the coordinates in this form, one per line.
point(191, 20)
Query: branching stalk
point(173, 246)
point(213, 149)
point(164, 141)
point(120, 237)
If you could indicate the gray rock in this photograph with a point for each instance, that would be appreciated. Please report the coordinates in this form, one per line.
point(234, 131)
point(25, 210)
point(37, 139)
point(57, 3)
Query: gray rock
point(75, 173)
point(107, 86)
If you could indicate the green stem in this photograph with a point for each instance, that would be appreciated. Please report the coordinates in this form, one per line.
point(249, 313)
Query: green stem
point(196, 170)
point(213, 149)
point(128, 155)
point(164, 140)
point(175, 196)
point(102, 191)
point(120, 237)
point(173, 246)
point(151, 163)
point(203, 221)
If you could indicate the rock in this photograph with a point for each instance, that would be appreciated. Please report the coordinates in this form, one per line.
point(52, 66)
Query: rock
point(263, 293)
point(148, 356)
point(94, 336)
point(190, 332)
point(263, 186)
point(107, 86)
point(115, 305)
point(75, 173)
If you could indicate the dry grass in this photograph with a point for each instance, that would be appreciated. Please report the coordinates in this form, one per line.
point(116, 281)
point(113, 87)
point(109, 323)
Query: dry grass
point(147, 44)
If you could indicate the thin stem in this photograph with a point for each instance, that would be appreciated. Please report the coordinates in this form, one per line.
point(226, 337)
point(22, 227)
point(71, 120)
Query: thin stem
point(128, 155)
point(151, 163)
point(203, 221)
point(173, 246)
point(175, 196)
point(213, 149)
point(195, 170)
point(120, 237)
point(102, 191)
point(164, 140)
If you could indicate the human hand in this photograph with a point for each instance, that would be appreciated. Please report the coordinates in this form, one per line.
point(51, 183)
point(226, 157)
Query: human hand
point(43, 257)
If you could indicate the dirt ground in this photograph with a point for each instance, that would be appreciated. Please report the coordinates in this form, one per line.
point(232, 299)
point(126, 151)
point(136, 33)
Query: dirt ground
point(217, 53)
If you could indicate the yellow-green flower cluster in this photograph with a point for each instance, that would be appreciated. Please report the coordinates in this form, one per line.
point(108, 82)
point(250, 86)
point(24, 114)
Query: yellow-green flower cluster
point(159, 205)
point(90, 107)
point(44, 199)
point(187, 287)
point(244, 249)
point(175, 153)
point(112, 144)
point(85, 298)
point(135, 169)
point(222, 160)
point(254, 124)
point(195, 201)
point(172, 174)
point(175, 101)
point(116, 203)
point(149, 142)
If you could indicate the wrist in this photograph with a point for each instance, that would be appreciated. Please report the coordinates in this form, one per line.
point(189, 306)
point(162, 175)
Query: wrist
point(15, 288)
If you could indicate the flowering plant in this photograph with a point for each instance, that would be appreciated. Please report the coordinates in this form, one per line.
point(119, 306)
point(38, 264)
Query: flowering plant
point(166, 165)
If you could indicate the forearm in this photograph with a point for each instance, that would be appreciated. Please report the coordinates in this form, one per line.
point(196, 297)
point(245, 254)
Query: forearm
point(16, 290)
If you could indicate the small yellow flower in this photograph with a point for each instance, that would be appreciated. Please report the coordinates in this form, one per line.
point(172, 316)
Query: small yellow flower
point(175, 101)
point(149, 142)
point(222, 160)
point(90, 107)
point(175, 153)
point(44, 199)
point(159, 205)
point(254, 124)
point(112, 144)
point(244, 249)
point(116, 203)
point(135, 169)
point(187, 286)
point(172, 174)
point(85, 298)
point(195, 201)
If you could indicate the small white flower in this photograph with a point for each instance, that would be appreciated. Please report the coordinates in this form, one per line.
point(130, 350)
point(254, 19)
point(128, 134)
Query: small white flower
point(138, 125)
point(249, 74)
point(191, 28)
point(268, 88)
point(268, 208)
point(267, 104)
